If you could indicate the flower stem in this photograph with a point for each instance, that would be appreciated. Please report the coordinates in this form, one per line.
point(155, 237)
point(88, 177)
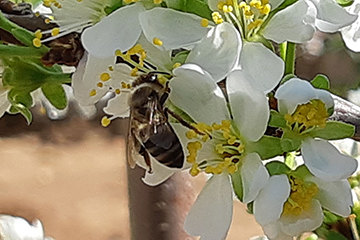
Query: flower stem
point(287, 53)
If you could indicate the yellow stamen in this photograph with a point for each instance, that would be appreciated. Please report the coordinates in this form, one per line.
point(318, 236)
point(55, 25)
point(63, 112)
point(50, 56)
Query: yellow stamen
point(176, 65)
point(157, 42)
point(55, 31)
point(217, 17)
point(105, 77)
point(37, 42)
point(38, 34)
point(92, 93)
point(105, 121)
point(204, 22)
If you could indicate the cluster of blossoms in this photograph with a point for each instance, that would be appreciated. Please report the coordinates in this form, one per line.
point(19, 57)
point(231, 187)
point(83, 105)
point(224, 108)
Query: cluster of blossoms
point(255, 128)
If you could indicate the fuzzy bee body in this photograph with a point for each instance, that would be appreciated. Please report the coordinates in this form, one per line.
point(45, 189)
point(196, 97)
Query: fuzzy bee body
point(150, 132)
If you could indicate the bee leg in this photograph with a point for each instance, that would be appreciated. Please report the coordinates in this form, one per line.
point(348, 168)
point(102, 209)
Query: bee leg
point(163, 98)
point(183, 122)
point(146, 156)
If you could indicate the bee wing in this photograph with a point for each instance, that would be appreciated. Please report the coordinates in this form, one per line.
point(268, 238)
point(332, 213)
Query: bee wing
point(132, 146)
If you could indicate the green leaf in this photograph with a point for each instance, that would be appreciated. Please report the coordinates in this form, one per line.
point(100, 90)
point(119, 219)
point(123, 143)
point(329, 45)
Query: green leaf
point(333, 130)
point(237, 184)
point(180, 57)
point(277, 120)
point(277, 168)
point(332, 235)
point(175, 4)
point(19, 108)
point(22, 97)
point(345, 3)
point(290, 141)
point(287, 78)
point(55, 93)
point(267, 147)
point(198, 7)
point(321, 82)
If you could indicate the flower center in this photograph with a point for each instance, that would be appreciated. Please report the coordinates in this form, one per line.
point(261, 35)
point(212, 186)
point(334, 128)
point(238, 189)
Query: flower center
point(247, 16)
point(227, 147)
point(300, 198)
point(308, 115)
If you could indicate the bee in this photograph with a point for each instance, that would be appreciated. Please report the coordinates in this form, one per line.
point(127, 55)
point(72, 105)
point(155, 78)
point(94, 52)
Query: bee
point(150, 132)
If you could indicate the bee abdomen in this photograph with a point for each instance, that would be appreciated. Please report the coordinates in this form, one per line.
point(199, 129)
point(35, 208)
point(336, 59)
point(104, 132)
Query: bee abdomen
point(166, 148)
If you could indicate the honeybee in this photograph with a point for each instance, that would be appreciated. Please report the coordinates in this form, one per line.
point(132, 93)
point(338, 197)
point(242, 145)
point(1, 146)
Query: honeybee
point(150, 132)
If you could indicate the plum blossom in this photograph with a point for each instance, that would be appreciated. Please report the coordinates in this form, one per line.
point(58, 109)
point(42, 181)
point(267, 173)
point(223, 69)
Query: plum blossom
point(305, 109)
point(292, 203)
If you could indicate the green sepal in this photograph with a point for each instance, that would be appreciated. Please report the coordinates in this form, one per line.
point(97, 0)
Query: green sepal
point(345, 3)
point(198, 7)
point(290, 141)
point(250, 208)
point(55, 93)
point(29, 74)
point(330, 218)
point(284, 4)
point(287, 77)
point(321, 82)
point(333, 130)
point(237, 184)
point(19, 108)
point(267, 147)
point(277, 120)
point(114, 5)
point(332, 235)
point(180, 57)
point(22, 97)
point(277, 168)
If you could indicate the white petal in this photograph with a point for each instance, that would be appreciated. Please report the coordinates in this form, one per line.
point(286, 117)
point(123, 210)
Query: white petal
point(159, 58)
point(4, 102)
point(120, 30)
point(268, 205)
point(262, 68)
point(293, 93)
point(295, 23)
point(331, 17)
point(335, 196)
point(307, 221)
point(254, 175)
point(213, 5)
point(194, 91)
point(20, 229)
point(160, 173)
point(174, 28)
point(325, 97)
point(249, 107)
point(351, 34)
point(218, 52)
point(211, 214)
point(86, 77)
point(273, 231)
point(325, 161)
point(118, 106)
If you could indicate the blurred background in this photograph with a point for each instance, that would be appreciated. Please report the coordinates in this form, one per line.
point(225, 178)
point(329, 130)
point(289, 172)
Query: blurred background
point(71, 173)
